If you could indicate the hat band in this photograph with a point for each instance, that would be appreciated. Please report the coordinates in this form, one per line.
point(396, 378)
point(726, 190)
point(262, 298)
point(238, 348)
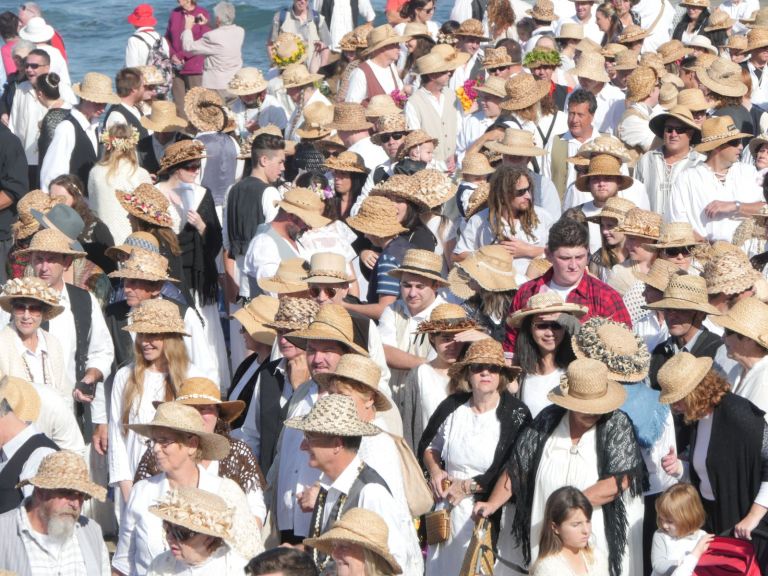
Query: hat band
point(719, 136)
point(418, 270)
point(567, 391)
point(141, 243)
point(330, 273)
point(213, 399)
point(500, 272)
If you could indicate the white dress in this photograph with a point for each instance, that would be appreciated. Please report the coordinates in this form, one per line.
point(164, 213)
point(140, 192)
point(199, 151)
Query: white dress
point(535, 389)
point(555, 565)
point(433, 389)
point(467, 443)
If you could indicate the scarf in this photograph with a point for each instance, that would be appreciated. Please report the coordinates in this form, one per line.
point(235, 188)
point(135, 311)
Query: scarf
point(647, 414)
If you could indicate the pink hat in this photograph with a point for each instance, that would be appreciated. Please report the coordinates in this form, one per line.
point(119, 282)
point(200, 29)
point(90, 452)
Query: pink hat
point(143, 15)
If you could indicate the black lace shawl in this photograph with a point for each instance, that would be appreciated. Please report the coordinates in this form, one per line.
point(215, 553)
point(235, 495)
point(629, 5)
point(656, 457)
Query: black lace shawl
point(618, 455)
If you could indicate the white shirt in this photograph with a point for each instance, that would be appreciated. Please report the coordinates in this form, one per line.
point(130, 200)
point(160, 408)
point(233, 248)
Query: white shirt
point(470, 129)
point(610, 107)
point(137, 50)
point(270, 112)
point(223, 562)
point(573, 147)
point(634, 130)
point(536, 387)
point(387, 77)
point(26, 114)
point(739, 10)
point(671, 556)
point(754, 384)
point(635, 193)
point(117, 117)
point(57, 422)
point(262, 260)
point(387, 329)
point(759, 87)
point(294, 123)
point(32, 462)
point(56, 161)
point(372, 154)
point(341, 19)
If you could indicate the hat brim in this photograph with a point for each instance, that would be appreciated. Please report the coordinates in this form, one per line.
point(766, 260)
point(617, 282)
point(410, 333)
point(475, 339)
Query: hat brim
point(457, 62)
point(183, 521)
point(317, 331)
point(306, 81)
point(141, 21)
point(342, 127)
point(596, 75)
point(140, 215)
point(614, 397)
point(736, 91)
point(680, 304)
point(280, 287)
point(311, 219)
point(378, 229)
point(380, 401)
point(729, 323)
point(673, 244)
point(229, 410)
point(489, 279)
point(359, 428)
point(86, 487)
point(657, 126)
point(693, 378)
point(151, 328)
point(582, 182)
point(325, 543)
point(458, 285)
point(552, 18)
point(255, 329)
point(174, 124)
point(516, 319)
point(95, 97)
point(6, 303)
point(514, 150)
point(382, 43)
point(140, 275)
point(212, 446)
point(334, 164)
point(677, 55)
point(712, 144)
point(247, 91)
point(397, 273)
point(533, 97)
point(321, 279)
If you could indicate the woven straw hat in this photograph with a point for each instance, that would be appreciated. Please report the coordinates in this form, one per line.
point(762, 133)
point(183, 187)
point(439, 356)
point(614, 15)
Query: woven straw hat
point(333, 415)
point(586, 388)
point(591, 66)
point(659, 274)
point(21, 397)
point(719, 20)
point(623, 352)
point(151, 75)
point(625, 60)
point(496, 58)
point(485, 351)
point(362, 370)
point(381, 105)
point(144, 265)
point(723, 77)
point(442, 58)
point(668, 96)
point(421, 263)
point(702, 42)
point(37, 200)
point(748, 317)
point(495, 86)
point(603, 165)
point(433, 187)
point(695, 3)
point(294, 314)
point(674, 79)
point(146, 203)
point(543, 10)
point(678, 112)
point(674, 235)
point(289, 49)
point(201, 391)
point(51, 241)
point(317, 119)
point(415, 138)
point(332, 322)
point(693, 99)
point(156, 316)
point(97, 88)
point(198, 510)
point(255, 315)
point(758, 19)
point(716, 131)
point(640, 84)
point(389, 124)
point(381, 37)
point(328, 268)
point(612, 50)
point(350, 117)
point(729, 272)
point(757, 38)
point(545, 303)
point(736, 43)
point(604, 144)
point(632, 33)
point(491, 267)
point(378, 217)
point(247, 81)
point(163, 118)
point(570, 31)
point(181, 152)
point(289, 278)
point(476, 164)
point(672, 51)
point(615, 207)
point(472, 28)
point(641, 223)
point(478, 200)
point(537, 268)
point(516, 143)
point(523, 90)
point(446, 318)
point(205, 109)
point(685, 292)
point(31, 288)
point(588, 45)
point(680, 375)
point(185, 419)
point(352, 42)
point(296, 75)
point(416, 30)
point(65, 470)
point(701, 62)
point(358, 527)
point(305, 204)
point(143, 240)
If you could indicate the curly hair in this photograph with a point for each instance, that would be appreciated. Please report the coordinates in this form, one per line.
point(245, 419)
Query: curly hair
point(500, 16)
point(501, 194)
point(708, 393)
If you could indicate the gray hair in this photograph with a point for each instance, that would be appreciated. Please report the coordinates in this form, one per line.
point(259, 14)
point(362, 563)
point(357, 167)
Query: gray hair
point(225, 12)
point(22, 48)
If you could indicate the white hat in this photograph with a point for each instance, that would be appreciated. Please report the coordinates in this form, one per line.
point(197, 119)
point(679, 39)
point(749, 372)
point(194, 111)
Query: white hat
point(36, 31)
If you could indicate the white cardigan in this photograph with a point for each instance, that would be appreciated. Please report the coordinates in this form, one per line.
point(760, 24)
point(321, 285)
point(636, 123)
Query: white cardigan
point(103, 200)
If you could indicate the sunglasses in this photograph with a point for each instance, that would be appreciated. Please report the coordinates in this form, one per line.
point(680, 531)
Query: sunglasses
point(330, 291)
point(523, 191)
point(677, 129)
point(393, 136)
point(480, 368)
point(430, 11)
point(547, 326)
point(20, 308)
point(178, 533)
point(678, 251)
point(191, 166)
point(33, 66)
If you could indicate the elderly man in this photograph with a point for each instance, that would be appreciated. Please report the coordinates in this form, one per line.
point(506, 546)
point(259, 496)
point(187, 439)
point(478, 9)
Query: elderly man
point(302, 19)
point(377, 73)
point(46, 534)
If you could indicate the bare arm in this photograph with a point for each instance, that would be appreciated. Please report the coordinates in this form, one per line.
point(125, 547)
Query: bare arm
point(401, 360)
point(500, 494)
point(372, 311)
point(605, 491)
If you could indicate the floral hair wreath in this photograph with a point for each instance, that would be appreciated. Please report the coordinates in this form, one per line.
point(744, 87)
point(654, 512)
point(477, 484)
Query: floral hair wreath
point(118, 143)
point(296, 56)
point(542, 58)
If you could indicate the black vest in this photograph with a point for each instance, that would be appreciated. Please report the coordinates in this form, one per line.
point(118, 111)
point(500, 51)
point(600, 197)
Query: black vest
point(10, 496)
point(83, 154)
point(361, 325)
point(129, 118)
point(246, 393)
point(244, 214)
point(271, 413)
point(327, 11)
point(147, 158)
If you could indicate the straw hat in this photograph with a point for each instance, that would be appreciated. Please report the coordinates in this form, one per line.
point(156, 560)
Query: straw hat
point(96, 88)
point(358, 527)
point(144, 265)
point(591, 66)
point(675, 235)
point(197, 510)
point(693, 99)
point(748, 317)
point(523, 90)
point(350, 117)
point(543, 10)
point(296, 75)
point(361, 370)
point(52, 241)
point(389, 124)
point(640, 84)
point(641, 223)
point(381, 105)
point(36, 200)
point(624, 353)
point(247, 81)
point(545, 303)
point(205, 109)
point(701, 62)
point(31, 288)
point(328, 268)
point(305, 204)
point(146, 203)
point(758, 19)
point(381, 37)
point(679, 112)
point(201, 391)
point(659, 274)
point(21, 397)
point(332, 322)
point(680, 375)
point(729, 272)
point(632, 33)
point(185, 419)
point(723, 77)
point(433, 187)
point(289, 278)
point(156, 316)
point(442, 58)
point(603, 144)
point(333, 415)
point(586, 388)
point(537, 268)
point(446, 318)
point(163, 118)
point(757, 38)
point(472, 28)
point(672, 51)
point(317, 119)
point(421, 263)
point(719, 20)
point(352, 42)
point(674, 79)
point(516, 143)
point(255, 315)
point(588, 45)
point(570, 31)
point(491, 267)
point(736, 42)
point(485, 351)
point(293, 314)
point(494, 85)
point(626, 60)
point(668, 96)
point(378, 217)
point(476, 164)
point(65, 470)
point(716, 131)
point(151, 75)
point(478, 200)
point(37, 31)
point(615, 207)
point(685, 292)
point(702, 42)
point(496, 58)
point(416, 30)
point(416, 138)
point(695, 3)
point(181, 152)
point(288, 49)
point(603, 165)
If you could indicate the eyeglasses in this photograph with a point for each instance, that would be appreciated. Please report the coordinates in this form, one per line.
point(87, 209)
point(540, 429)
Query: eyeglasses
point(480, 368)
point(178, 533)
point(734, 143)
point(33, 65)
point(677, 129)
point(20, 308)
point(191, 166)
point(678, 251)
point(330, 291)
point(547, 326)
point(522, 191)
point(393, 136)
point(162, 442)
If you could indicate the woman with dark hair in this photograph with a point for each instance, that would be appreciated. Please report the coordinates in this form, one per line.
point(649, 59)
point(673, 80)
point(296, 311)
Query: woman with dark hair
point(349, 176)
point(420, 11)
point(419, 43)
point(608, 22)
point(47, 91)
point(694, 20)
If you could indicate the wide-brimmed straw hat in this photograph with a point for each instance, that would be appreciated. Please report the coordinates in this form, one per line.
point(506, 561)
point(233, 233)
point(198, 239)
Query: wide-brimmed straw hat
point(144, 265)
point(679, 112)
point(615, 207)
point(416, 30)
point(672, 51)
point(591, 66)
point(350, 117)
point(623, 352)
point(96, 88)
point(333, 415)
point(543, 10)
point(723, 77)
point(200, 391)
point(65, 470)
point(332, 322)
point(317, 120)
point(586, 388)
point(632, 33)
point(328, 268)
point(640, 84)
point(702, 42)
point(197, 510)
point(729, 272)
point(693, 99)
point(496, 58)
point(185, 419)
point(441, 58)
point(205, 109)
point(603, 165)
point(476, 164)
point(695, 3)
point(485, 351)
point(716, 131)
point(491, 267)
point(668, 96)
point(586, 44)
point(478, 200)
point(495, 86)
point(356, 39)
point(52, 241)
point(516, 143)
point(757, 38)
point(659, 274)
point(21, 397)
point(736, 42)
point(680, 375)
point(156, 316)
point(31, 288)
point(247, 81)
point(757, 19)
point(294, 314)
point(361, 370)
point(146, 203)
point(296, 75)
point(378, 217)
point(381, 105)
point(674, 235)
point(358, 527)
point(163, 118)
point(433, 187)
point(471, 28)
point(625, 60)
point(748, 317)
point(570, 31)
point(389, 124)
point(701, 62)
point(289, 278)
point(305, 204)
point(523, 90)
point(37, 201)
point(380, 37)
point(685, 292)
point(181, 152)
point(545, 303)
point(641, 223)
point(151, 75)
point(719, 20)
point(421, 263)
point(446, 318)
point(255, 316)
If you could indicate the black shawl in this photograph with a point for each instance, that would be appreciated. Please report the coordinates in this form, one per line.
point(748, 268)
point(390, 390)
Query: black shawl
point(618, 455)
point(198, 252)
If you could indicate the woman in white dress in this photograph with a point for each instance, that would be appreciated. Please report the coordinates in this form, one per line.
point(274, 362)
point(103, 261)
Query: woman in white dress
point(420, 11)
point(470, 432)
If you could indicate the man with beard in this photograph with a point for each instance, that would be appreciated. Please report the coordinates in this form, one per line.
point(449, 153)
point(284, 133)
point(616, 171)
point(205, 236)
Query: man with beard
point(47, 534)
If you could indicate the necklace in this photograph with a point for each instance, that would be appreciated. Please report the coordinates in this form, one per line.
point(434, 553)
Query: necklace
point(28, 371)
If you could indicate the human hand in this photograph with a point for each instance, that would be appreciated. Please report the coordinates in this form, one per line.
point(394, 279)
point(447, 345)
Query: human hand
point(471, 335)
point(80, 397)
point(308, 497)
point(455, 493)
point(100, 439)
point(483, 510)
point(252, 126)
point(450, 164)
point(176, 61)
point(436, 483)
point(672, 464)
point(702, 545)
point(189, 21)
point(514, 246)
point(744, 528)
point(720, 209)
point(369, 258)
point(194, 218)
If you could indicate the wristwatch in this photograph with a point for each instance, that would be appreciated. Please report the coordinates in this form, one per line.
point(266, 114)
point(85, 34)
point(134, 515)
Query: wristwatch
point(474, 487)
point(738, 207)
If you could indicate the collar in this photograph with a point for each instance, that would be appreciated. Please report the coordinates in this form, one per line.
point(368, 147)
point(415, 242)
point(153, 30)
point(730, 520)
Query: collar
point(42, 345)
point(581, 288)
point(12, 446)
point(345, 480)
point(424, 314)
point(673, 347)
point(26, 527)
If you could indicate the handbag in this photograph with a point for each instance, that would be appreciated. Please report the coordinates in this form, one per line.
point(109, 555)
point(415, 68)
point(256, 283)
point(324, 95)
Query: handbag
point(417, 492)
point(728, 557)
point(438, 526)
point(479, 559)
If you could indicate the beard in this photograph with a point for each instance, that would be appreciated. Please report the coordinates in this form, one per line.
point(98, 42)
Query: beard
point(61, 527)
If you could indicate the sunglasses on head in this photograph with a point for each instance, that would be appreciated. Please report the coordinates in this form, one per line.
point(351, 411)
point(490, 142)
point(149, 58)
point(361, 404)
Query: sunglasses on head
point(393, 136)
point(178, 533)
point(678, 251)
point(480, 368)
point(330, 291)
point(547, 326)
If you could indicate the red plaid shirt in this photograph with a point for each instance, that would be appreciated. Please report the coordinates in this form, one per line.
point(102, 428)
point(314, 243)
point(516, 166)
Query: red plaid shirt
point(599, 298)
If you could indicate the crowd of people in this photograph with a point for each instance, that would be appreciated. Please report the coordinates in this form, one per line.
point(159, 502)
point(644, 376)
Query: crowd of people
point(485, 296)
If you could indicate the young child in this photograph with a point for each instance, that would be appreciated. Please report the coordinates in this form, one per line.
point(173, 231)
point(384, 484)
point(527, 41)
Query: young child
point(419, 146)
point(564, 546)
point(679, 542)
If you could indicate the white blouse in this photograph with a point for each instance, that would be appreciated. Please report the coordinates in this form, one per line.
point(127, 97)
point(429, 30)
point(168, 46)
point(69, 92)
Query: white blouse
point(536, 387)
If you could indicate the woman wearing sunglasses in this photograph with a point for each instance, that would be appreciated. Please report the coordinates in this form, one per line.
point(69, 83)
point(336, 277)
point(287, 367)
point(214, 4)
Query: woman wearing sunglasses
point(677, 244)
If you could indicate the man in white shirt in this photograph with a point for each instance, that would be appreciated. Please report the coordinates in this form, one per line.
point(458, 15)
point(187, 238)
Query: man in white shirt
point(129, 85)
point(377, 73)
point(592, 76)
point(300, 87)
point(757, 48)
point(585, 17)
point(254, 108)
point(355, 132)
point(738, 10)
point(140, 45)
point(642, 99)
point(341, 17)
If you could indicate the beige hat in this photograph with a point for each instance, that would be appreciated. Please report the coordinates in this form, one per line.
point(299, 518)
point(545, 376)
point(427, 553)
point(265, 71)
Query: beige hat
point(588, 45)
point(317, 119)
point(703, 42)
point(723, 77)
point(615, 207)
point(673, 51)
point(737, 42)
point(255, 315)
point(748, 317)
point(358, 527)
point(442, 58)
point(294, 314)
point(493, 85)
point(655, 63)
point(416, 30)
point(719, 20)
point(52, 241)
point(543, 10)
point(757, 19)
point(660, 273)
point(197, 510)
point(523, 90)
point(288, 279)
point(247, 81)
point(632, 33)
point(400, 187)
point(201, 391)
point(31, 288)
point(181, 152)
point(389, 124)
point(674, 79)
point(478, 200)
point(163, 118)
point(485, 351)
point(496, 58)
point(350, 117)
point(328, 268)
point(476, 164)
point(716, 131)
point(288, 49)
point(381, 37)
point(156, 316)
point(491, 267)
point(614, 344)
point(701, 62)
point(146, 203)
point(472, 28)
point(356, 39)
point(545, 303)
point(680, 375)
point(378, 217)
point(675, 235)
point(296, 75)
point(433, 187)
point(332, 322)
point(415, 138)
point(591, 66)
point(668, 96)
point(757, 38)
point(678, 112)
point(685, 292)
point(693, 99)
point(729, 272)
point(187, 420)
point(144, 265)
point(586, 388)
point(516, 143)
point(641, 223)
point(640, 84)
point(695, 3)
point(333, 415)
point(151, 75)
point(625, 60)
point(361, 370)
point(446, 318)
point(570, 31)
point(305, 204)
point(65, 470)
point(21, 397)
point(96, 88)
point(604, 144)
point(421, 263)
point(537, 268)
point(205, 109)
point(603, 165)
point(381, 105)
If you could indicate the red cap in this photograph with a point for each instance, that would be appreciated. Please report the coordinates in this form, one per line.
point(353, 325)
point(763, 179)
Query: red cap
point(143, 15)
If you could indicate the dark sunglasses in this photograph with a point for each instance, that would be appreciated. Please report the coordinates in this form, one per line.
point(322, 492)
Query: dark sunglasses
point(178, 533)
point(480, 368)
point(330, 291)
point(20, 307)
point(678, 251)
point(728, 332)
point(677, 129)
point(393, 136)
point(191, 166)
point(32, 65)
point(430, 11)
point(547, 326)
point(523, 191)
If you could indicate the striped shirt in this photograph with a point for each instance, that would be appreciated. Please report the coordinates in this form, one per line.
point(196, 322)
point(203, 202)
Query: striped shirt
point(49, 556)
